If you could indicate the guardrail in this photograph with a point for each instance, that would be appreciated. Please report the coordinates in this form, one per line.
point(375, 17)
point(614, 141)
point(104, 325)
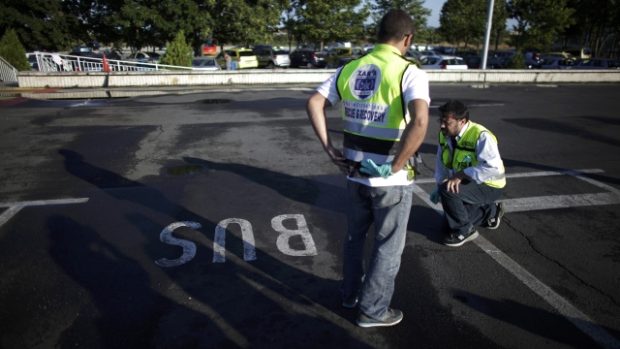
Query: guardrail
point(56, 62)
point(294, 76)
point(8, 73)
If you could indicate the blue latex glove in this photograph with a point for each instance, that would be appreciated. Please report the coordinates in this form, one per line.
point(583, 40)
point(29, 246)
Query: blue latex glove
point(373, 170)
point(435, 197)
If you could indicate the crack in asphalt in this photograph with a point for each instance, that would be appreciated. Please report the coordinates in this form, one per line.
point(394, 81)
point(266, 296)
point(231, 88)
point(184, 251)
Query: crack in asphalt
point(562, 266)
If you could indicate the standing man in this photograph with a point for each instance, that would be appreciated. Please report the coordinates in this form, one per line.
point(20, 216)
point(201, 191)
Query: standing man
point(469, 173)
point(385, 101)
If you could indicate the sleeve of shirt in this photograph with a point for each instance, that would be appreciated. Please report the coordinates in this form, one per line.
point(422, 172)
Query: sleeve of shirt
point(489, 161)
point(329, 88)
point(441, 172)
point(415, 85)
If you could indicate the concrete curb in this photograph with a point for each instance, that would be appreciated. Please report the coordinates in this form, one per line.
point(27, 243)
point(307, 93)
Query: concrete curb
point(295, 76)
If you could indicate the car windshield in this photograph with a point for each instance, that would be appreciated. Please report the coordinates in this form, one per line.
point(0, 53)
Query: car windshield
point(203, 63)
point(430, 60)
point(246, 53)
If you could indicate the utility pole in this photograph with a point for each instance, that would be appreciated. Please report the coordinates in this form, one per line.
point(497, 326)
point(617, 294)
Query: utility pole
point(487, 35)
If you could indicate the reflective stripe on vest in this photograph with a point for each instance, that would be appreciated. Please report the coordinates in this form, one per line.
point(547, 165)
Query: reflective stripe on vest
point(465, 153)
point(373, 109)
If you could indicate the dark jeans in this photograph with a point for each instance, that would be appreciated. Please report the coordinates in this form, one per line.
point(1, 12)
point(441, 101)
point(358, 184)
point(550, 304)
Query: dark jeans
point(388, 209)
point(470, 207)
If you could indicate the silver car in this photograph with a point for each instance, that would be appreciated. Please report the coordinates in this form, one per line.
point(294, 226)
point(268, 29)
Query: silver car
point(205, 63)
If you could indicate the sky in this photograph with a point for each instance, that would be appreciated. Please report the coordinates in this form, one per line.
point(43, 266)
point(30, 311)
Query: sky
point(435, 7)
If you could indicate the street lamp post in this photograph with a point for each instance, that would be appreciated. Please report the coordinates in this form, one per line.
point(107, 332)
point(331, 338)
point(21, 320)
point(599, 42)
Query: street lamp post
point(487, 35)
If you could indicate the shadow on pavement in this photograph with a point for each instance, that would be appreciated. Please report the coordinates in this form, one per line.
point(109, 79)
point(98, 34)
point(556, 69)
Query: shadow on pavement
point(264, 303)
point(534, 320)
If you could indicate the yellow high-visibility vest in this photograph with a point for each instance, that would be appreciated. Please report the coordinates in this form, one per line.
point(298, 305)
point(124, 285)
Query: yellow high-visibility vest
point(464, 154)
point(373, 109)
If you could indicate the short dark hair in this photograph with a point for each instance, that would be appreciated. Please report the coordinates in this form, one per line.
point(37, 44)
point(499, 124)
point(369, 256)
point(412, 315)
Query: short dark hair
point(394, 25)
point(455, 108)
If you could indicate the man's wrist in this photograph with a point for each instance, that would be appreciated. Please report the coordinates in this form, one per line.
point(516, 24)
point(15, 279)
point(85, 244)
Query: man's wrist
point(461, 175)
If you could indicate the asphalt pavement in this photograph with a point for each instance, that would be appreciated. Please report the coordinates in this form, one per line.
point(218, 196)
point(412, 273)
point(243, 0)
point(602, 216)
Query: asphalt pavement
point(213, 219)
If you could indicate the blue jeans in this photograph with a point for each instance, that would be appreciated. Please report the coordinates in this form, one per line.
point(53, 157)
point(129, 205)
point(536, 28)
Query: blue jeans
point(388, 208)
point(470, 207)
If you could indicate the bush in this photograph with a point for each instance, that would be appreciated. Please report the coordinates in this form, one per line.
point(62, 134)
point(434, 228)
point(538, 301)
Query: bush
point(178, 52)
point(12, 50)
point(517, 61)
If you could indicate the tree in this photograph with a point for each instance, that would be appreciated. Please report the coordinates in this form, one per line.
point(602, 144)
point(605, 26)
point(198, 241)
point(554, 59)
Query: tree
point(596, 27)
point(41, 25)
point(539, 22)
point(246, 22)
point(192, 17)
point(463, 21)
point(500, 16)
point(415, 8)
point(13, 51)
point(178, 52)
point(321, 21)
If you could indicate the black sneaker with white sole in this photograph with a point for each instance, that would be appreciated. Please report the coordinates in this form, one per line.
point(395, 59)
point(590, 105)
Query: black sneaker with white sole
point(494, 222)
point(457, 239)
point(391, 318)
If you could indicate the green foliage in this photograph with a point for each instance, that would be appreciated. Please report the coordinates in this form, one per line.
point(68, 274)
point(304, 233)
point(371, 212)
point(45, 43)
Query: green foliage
point(12, 50)
point(517, 61)
point(500, 16)
point(463, 21)
point(57, 25)
point(321, 21)
point(539, 22)
point(178, 52)
point(415, 8)
point(596, 27)
point(247, 22)
point(41, 25)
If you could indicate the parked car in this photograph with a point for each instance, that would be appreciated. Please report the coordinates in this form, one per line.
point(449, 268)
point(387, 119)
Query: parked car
point(113, 54)
point(533, 60)
point(597, 63)
point(84, 51)
point(339, 56)
point(444, 62)
point(241, 58)
point(205, 63)
point(499, 59)
point(473, 61)
point(268, 57)
point(209, 47)
point(143, 57)
point(307, 58)
point(414, 56)
point(555, 62)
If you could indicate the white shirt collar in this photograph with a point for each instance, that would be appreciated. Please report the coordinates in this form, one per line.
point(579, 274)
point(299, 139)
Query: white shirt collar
point(465, 127)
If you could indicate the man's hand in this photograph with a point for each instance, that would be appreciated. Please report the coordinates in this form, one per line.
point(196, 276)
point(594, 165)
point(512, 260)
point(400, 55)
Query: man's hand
point(373, 170)
point(338, 159)
point(453, 183)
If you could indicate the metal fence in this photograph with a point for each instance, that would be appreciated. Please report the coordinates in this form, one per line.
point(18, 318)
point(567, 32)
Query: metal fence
point(56, 62)
point(8, 73)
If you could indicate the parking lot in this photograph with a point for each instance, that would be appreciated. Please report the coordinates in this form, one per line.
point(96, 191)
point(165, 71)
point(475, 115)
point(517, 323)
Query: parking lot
point(215, 220)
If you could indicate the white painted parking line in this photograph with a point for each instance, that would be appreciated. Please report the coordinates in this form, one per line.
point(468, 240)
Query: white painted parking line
point(576, 173)
point(476, 105)
point(564, 307)
point(45, 202)
point(611, 197)
point(10, 212)
point(582, 321)
point(15, 207)
point(560, 201)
